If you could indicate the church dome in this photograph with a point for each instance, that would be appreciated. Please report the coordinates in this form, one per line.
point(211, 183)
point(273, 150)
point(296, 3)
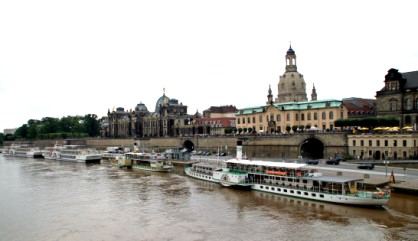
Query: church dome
point(162, 101)
point(141, 108)
point(290, 51)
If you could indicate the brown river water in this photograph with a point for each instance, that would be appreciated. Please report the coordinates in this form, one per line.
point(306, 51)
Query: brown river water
point(50, 200)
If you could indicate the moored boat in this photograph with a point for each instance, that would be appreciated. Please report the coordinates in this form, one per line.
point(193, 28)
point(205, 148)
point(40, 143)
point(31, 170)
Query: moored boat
point(155, 162)
point(22, 151)
point(203, 171)
point(298, 180)
point(77, 153)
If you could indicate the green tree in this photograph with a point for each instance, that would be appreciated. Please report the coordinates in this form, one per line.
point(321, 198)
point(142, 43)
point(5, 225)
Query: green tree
point(49, 125)
point(22, 132)
point(288, 128)
point(294, 128)
point(91, 125)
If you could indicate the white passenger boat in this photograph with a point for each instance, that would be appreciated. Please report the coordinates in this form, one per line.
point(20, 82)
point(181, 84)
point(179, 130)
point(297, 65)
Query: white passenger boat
point(155, 162)
point(53, 152)
point(298, 180)
point(77, 153)
point(203, 171)
point(22, 151)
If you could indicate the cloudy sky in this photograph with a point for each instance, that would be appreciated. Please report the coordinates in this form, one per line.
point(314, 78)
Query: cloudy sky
point(78, 57)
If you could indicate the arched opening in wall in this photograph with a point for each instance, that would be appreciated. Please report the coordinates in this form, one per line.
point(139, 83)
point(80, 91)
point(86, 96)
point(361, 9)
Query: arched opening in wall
point(188, 145)
point(312, 148)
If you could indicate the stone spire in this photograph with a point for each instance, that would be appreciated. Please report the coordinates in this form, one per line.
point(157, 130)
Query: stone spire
point(270, 97)
point(314, 95)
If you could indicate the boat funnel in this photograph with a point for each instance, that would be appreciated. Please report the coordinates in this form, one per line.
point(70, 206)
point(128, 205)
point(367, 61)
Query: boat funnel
point(239, 150)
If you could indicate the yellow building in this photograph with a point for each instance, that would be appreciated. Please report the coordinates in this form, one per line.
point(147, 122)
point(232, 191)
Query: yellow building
point(275, 117)
point(383, 146)
point(291, 109)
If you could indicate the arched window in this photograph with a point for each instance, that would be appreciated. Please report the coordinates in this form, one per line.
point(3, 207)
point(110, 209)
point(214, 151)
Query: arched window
point(331, 115)
point(324, 115)
point(309, 116)
point(315, 116)
point(279, 117)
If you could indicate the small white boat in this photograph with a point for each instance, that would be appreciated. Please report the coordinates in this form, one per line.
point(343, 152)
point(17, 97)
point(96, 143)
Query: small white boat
point(22, 151)
point(155, 162)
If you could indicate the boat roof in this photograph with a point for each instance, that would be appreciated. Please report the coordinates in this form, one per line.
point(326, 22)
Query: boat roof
point(338, 179)
point(266, 163)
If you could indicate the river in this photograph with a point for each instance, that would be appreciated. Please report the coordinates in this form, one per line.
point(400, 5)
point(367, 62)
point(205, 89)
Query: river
point(49, 200)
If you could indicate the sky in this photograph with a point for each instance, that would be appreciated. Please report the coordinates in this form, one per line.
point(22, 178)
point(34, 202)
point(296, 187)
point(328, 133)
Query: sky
point(66, 58)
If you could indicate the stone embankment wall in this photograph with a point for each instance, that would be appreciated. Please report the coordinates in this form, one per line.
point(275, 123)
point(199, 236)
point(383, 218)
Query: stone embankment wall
point(287, 146)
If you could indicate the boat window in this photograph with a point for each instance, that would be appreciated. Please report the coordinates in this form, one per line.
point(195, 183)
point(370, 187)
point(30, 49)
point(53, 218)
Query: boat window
point(305, 181)
point(291, 191)
point(306, 193)
point(284, 190)
point(278, 189)
point(272, 188)
point(321, 195)
point(298, 192)
point(313, 194)
point(261, 187)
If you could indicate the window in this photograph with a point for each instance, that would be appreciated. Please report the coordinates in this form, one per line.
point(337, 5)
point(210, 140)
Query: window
point(342, 115)
point(377, 142)
point(296, 117)
point(407, 119)
point(370, 143)
point(261, 118)
point(416, 104)
point(288, 117)
point(354, 142)
point(315, 116)
point(386, 143)
point(249, 120)
point(243, 120)
point(324, 115)
point(309, 116)
point(279, 117)
point(239, 121)
point(408, 104)
point(253, 119)
point(302, 117)
point(271, 117)
point(395, 143)
point(362, 143)
point(331, 115)
point(393, 104)
point(404, 143)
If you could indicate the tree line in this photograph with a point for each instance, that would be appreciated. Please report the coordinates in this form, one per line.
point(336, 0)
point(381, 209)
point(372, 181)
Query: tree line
point(369, 122)
point(53, 128)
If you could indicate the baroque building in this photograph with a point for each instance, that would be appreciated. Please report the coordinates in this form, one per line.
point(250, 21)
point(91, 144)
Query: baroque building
point(170, 118)
point(291, 108)
point(399, 97)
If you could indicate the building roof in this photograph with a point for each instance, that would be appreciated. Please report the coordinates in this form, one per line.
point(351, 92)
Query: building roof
point(218, 122)
point(222, 109)
point(411, 79)
point(359, 104)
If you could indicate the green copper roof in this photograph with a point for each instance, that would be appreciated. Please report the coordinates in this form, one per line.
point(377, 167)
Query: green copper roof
point(317, 104)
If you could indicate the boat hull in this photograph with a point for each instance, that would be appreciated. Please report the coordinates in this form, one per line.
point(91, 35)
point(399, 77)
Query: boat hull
point(350, 199)
point(152, 169)
point(200, 176)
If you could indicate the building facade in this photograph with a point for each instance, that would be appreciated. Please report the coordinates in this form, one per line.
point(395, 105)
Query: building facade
point(383, 146)
point(399, 97)
point(170, 118)
point(291, 107)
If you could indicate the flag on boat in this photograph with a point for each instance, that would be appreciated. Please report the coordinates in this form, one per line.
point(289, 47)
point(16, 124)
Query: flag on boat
point(392, 177)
